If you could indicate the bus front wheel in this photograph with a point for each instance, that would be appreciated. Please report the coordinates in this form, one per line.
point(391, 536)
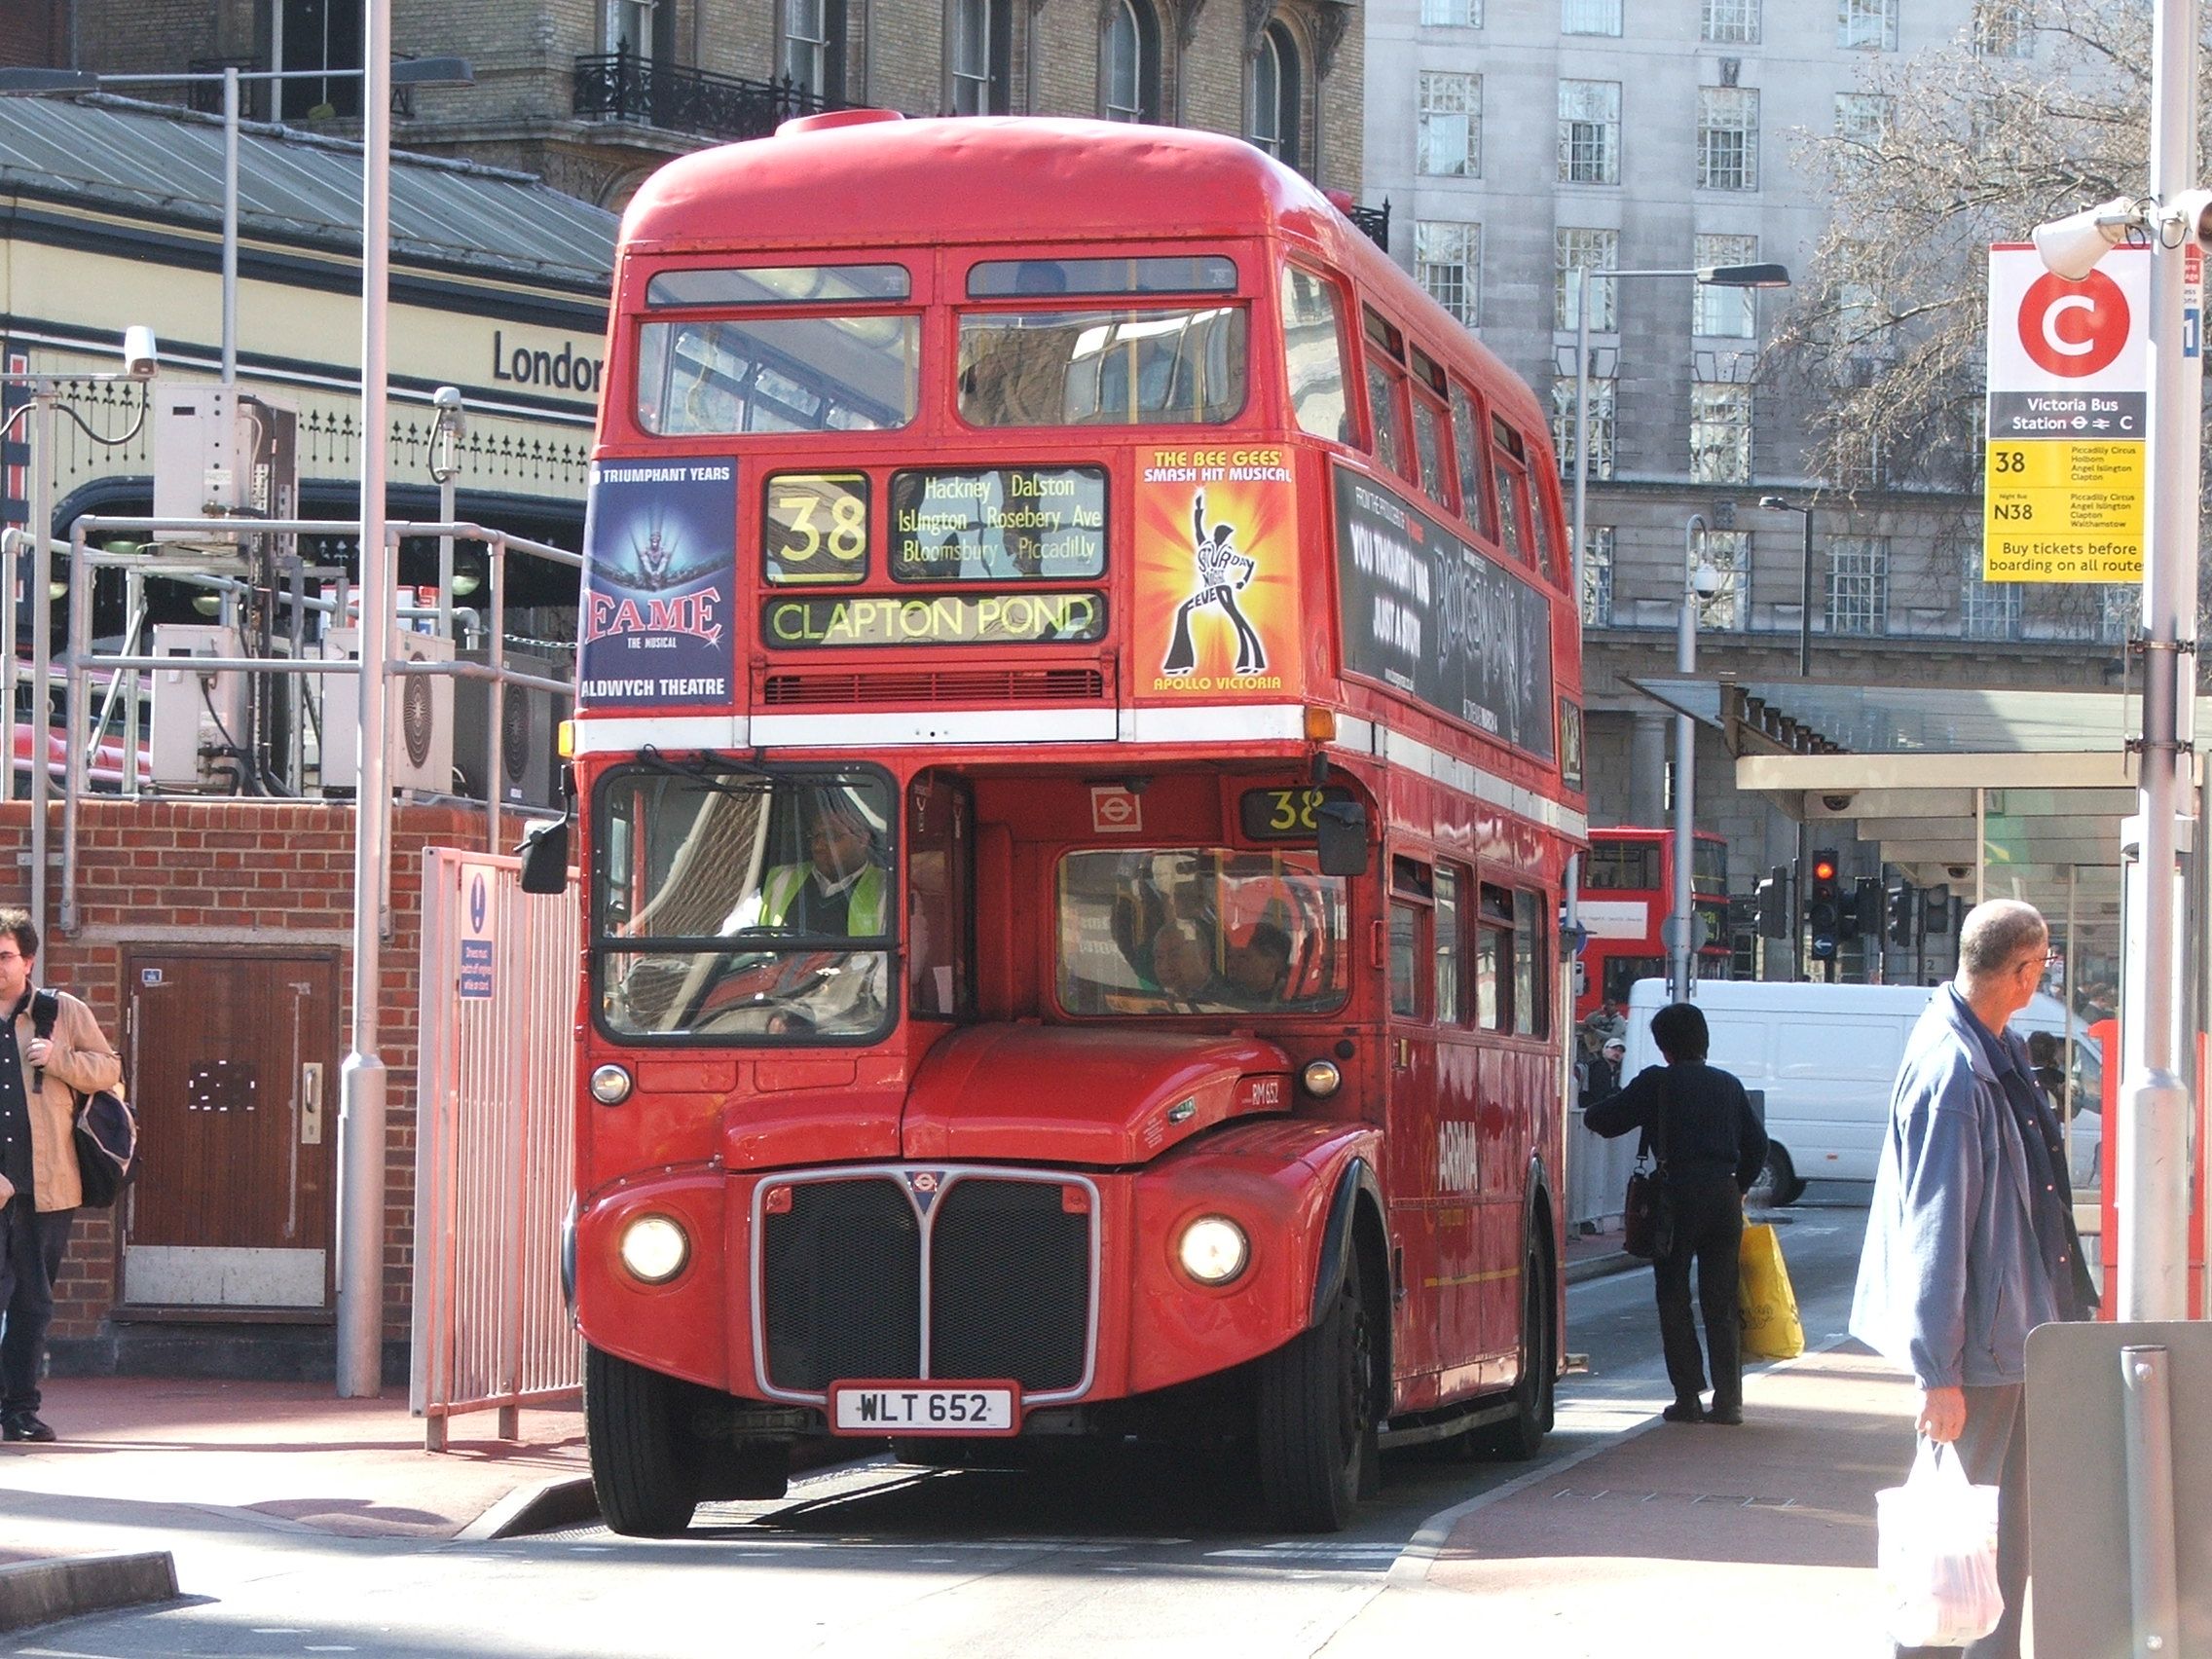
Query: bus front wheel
point(1318, 1452)
point(644, 1464)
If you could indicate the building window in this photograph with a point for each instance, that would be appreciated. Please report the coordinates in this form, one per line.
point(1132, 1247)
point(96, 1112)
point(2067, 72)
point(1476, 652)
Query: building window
point(326, 35)
point(814, 47)
point(2120, 612)
point(2003, 30)
point(1731, 22)
point(981, 49)
point(1599, 416)
point(1727, 553)
point(1446, 262)
point(1720, 432)
point(1863, 118)
point(1987, 611)
point(1858, 584)
point(1452, 13)
point(1866, 25)
point(1590, 16)
point(1727, 138)
point(1575, 250)
point(1132, 62)
point(1718, 313)
point(1449, 138)
point(1276, 95)
point(1589, 133)
point(1598, 576)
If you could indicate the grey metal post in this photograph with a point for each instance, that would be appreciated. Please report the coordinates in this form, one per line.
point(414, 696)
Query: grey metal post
point(229, 224)
point(10, 567)
point(2152, 1178)
point(1580, 533)
point(1805, 602)
point(73, 721)
point(495, 694)
point(42, 399)
point(361, 1110)
point(1682, 947)
point(2153, 1582)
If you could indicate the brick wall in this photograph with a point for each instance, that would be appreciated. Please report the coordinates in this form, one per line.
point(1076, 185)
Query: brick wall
point(235, 874)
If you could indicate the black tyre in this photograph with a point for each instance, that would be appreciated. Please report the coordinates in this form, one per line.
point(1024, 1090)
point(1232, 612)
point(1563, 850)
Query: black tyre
point(1318, 1453)
point(1521, 1435)
point(645, 1464)
point(1777, 1184)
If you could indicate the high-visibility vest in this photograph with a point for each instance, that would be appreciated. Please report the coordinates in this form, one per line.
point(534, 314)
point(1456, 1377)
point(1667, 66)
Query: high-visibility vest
point(865, 913)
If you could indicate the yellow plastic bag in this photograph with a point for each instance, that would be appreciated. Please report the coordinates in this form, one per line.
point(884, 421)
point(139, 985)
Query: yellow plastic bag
point(1763, 1297)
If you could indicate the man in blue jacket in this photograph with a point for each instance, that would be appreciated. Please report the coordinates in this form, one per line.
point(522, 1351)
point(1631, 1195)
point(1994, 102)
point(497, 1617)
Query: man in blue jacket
point(1970, 1239)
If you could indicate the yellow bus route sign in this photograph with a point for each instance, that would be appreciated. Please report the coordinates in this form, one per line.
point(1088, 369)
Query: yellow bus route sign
point(2063, 467)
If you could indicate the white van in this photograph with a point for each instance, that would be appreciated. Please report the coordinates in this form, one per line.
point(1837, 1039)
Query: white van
point(1826, 1058)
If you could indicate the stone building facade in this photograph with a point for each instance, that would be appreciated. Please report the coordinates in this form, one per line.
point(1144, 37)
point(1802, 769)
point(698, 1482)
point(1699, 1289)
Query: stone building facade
point(593, 94)
point(1520, 143)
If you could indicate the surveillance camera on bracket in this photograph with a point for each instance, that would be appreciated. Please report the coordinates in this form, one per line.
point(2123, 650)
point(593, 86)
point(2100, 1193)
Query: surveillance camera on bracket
point(1836, 802)
point(2070, 247)
point(1958, 872)
point(140, 356)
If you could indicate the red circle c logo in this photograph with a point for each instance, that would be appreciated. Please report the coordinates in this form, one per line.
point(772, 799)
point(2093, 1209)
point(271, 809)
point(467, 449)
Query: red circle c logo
point(2073, 329)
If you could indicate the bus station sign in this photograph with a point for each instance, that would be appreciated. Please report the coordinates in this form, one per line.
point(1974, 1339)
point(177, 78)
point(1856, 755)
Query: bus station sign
point(2063, 464)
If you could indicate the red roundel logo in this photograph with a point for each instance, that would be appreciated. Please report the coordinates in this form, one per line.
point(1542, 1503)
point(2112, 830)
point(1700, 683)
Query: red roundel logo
point(2074, 329)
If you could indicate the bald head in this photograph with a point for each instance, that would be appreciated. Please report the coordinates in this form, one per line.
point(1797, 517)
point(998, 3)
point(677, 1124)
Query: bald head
point(2002, 946)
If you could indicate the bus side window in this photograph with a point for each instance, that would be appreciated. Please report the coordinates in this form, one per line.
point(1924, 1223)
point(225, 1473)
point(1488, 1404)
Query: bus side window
point(1385, 402)
point(1532, 959)
point(941, 977)
point(1314, 355)
point(1450, 1008)
point(1512, 491)
point(1428, 449)
point(1467, 450)
point(1412, 894)
point(1495, 974)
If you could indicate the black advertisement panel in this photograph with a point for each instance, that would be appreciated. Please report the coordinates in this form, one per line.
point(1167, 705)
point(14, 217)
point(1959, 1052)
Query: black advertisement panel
point(1428, 614)
point(999, 524)
point(941, 619)
point(660, 575)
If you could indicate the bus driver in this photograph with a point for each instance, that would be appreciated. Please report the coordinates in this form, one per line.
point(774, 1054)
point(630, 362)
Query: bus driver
point(843, 887)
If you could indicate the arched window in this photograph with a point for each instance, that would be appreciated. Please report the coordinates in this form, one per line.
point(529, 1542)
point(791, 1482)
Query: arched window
point(1131, 62)
point(1276, 95)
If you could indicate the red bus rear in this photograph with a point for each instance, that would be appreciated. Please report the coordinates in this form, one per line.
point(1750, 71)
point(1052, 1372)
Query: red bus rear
point(1078, 749)
point(1628, 887)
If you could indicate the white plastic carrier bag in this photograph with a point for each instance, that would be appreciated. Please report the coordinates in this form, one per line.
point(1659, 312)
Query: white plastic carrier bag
point(1937, 1553)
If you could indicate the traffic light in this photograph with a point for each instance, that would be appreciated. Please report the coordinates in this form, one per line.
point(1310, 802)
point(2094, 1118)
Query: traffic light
point(1935, 908)
point(1903, 932)
point(1774, 904)
point(1863, 920)
point(1824, 906)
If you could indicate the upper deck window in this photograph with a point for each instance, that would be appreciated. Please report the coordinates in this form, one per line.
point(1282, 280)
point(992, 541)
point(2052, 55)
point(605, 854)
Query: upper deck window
point(1012, 278)
point(1314, 354)
point(780, 374)
point(779, 285)
point(1097, 368)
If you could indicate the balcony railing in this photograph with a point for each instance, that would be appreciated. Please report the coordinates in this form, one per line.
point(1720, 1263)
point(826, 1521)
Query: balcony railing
point(1375, 221)
point(624, 87)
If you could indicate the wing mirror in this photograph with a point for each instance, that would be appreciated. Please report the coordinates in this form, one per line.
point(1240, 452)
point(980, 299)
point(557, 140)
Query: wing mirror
point(544, 854)
point(1339, 833)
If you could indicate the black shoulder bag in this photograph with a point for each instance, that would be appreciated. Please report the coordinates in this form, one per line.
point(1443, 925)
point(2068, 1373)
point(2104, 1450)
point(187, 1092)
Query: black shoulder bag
point(1648, 1212)
point(106, 1127)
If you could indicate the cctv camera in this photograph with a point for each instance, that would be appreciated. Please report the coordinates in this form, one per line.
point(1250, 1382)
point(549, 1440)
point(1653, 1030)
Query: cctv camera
point(1706, 580)
point(2070, 247)
point(446, 397)
point(139, 355)
point(1836, 802)
point(1957, 873)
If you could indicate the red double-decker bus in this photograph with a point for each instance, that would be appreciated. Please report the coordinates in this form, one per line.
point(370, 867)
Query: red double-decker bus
point(1077, 747)
point(1627, 890)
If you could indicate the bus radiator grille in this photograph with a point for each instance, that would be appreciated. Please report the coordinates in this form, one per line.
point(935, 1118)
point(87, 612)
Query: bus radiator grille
point(1009, 1291)
point(842, 1282)
point(947, 687)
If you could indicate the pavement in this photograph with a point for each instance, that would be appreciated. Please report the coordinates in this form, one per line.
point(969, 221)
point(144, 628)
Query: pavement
point(1656, 1539)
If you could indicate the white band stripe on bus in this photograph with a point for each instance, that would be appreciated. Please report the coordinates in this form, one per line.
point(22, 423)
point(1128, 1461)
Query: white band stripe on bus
point(1210, 724)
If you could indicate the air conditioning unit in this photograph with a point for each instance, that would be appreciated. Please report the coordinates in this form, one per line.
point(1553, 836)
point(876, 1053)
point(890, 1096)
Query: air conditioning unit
point(417, 716)
point(530, 771)
point(199, 715)
point(221, 453)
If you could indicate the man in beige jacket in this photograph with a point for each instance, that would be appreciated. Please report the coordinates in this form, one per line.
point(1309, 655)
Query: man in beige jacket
point(39, 1077)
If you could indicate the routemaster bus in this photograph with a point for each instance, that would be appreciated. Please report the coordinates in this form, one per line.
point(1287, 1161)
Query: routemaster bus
point(1077, 751)
point(1627, 889)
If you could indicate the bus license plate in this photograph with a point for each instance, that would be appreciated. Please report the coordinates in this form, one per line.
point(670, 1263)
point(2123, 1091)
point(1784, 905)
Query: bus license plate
point(922, 1408)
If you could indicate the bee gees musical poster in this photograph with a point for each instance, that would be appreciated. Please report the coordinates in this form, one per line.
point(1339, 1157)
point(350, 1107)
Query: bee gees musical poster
point(660, 570)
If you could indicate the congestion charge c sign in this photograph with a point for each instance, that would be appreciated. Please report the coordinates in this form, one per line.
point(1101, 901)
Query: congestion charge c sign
point(2074, 329)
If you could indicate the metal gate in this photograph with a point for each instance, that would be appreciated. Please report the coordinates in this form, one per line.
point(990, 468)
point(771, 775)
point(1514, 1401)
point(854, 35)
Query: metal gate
point(495, 1144)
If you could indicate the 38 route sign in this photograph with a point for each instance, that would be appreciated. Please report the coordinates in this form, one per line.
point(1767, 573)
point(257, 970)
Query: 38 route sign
point(2062, 471)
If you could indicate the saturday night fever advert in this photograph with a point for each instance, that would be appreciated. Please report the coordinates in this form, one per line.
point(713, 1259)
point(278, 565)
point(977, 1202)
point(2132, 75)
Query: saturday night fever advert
point(660, 564)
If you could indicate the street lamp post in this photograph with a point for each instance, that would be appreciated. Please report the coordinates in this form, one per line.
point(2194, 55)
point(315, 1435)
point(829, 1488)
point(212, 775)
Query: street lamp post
point(1698, 581)
point(1776, 504)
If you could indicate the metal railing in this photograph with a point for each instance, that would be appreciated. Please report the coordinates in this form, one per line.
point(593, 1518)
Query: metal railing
point(622, 86)
point(495, 1138)
point(1597, 1174)
point(1375, 221)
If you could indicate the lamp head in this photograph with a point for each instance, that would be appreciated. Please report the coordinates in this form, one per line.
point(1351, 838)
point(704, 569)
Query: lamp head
point(2070, 247)
point(1765, 275)
point(1776, 504)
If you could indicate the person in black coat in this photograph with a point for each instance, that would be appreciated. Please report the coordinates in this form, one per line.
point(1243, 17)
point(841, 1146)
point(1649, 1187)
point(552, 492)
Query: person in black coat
point(1710, 1148)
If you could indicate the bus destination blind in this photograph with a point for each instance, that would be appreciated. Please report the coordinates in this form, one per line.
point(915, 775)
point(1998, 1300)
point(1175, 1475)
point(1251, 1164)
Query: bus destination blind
point(999, 524)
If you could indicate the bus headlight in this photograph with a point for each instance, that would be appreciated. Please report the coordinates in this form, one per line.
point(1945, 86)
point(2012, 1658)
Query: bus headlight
point(654, 1249)
point(1321, 1078)
point(1213, 1249)
point(610, 1085)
